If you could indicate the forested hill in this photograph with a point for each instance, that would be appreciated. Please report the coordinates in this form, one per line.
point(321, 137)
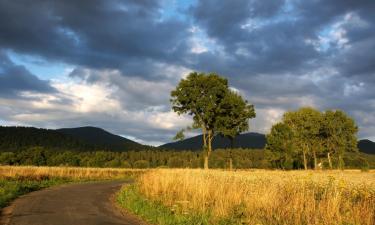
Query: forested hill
point(102, 138)
point(247, 140)
point(366, 146)
point(79, 139)
point(93, 138)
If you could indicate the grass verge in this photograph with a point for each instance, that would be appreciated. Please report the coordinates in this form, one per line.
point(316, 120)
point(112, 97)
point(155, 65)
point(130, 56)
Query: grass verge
point(11, 188)
point(156, 213)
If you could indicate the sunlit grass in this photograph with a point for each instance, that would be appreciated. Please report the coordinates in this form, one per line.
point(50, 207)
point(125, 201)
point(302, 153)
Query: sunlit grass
point(265, 197)
point(66, 172)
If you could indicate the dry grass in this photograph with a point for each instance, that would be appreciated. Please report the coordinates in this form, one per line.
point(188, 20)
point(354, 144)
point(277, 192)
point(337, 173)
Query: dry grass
point(76, 173)
point(266, 197)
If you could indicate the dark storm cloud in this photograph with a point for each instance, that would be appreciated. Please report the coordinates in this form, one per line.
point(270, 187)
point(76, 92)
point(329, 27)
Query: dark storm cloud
point(97, 34)
point(281, 54)
point(15, 79)
point(276, 36)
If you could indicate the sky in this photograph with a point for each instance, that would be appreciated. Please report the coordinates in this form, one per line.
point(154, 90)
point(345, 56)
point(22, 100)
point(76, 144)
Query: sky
point(113, 64)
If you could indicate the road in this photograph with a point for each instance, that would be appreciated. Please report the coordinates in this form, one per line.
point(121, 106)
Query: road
point(74, 204)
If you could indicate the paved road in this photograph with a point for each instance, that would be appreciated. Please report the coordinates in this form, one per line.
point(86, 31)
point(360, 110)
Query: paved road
point(75, 204)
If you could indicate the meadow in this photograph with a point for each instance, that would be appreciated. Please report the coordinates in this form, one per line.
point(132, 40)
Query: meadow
point(193, 196)
point(19, 180)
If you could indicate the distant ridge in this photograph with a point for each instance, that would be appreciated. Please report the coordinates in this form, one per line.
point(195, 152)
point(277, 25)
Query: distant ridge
point(102, 138)
point(246, 140)
point(366, 146)
point(94, 138)
point(76, 139)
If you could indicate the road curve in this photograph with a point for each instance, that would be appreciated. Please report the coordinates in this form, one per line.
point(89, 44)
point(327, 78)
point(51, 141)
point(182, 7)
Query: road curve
point(74, 204)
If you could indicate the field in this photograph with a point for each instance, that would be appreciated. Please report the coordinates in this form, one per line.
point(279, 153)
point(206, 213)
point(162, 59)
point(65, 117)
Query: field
point(16, 181)
point(186, 196)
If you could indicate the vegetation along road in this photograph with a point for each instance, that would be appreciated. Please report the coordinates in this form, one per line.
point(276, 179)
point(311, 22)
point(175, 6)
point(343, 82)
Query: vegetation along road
point(76, 204)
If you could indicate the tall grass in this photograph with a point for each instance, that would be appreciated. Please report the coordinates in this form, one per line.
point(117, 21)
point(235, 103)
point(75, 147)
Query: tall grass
point(66, 172)
point(265, 197)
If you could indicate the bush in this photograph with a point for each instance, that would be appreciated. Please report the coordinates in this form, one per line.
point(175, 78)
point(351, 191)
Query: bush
point(141, 164)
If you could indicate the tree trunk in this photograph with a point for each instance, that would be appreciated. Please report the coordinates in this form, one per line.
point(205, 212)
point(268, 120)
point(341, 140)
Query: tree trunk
point(231, 155)
point(304, 160)
point(341, 166)
point(205, 153)
point(315, 160)
point(206, 162)
point(209, 148)
point(204, 138)
point(329, 160)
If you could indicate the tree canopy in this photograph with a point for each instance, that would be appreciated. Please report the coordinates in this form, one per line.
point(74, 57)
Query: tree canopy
point(307, 134)
point(213, 106)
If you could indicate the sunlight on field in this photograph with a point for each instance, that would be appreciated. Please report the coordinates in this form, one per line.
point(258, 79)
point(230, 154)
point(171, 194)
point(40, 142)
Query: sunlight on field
point(266, 197)
point(65, 172)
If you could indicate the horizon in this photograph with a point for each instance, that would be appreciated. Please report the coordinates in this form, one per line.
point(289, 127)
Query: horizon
point(190, 135)
point(112, 64)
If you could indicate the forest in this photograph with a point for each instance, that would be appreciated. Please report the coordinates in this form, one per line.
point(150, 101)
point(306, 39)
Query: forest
point(242, 159)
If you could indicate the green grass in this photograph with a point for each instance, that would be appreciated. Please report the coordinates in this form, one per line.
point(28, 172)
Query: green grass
point(156, 213)
point(11, 188)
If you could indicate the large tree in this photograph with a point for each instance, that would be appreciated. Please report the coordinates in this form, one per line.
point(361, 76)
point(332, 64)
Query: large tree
point(233, 119)
point(200, 95)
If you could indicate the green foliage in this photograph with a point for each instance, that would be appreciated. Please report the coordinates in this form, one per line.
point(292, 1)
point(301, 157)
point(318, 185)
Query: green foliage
point(200, 96)
point(214, 107)
point(141, 164)
point(281, 149)
point(306, 135)
point(10, 188)
point(179, 136)
point(242, 159)
point(235, 113)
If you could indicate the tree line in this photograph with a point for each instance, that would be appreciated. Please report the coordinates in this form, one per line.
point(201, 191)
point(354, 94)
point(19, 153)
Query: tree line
point(241, 159)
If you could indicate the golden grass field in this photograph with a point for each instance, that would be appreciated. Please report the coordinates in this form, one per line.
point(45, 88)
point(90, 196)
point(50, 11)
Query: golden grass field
point(76, 173)
point(266, 197)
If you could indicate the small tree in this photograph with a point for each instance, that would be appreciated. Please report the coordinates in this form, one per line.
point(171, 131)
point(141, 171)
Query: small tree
point(200, 96)
point(280, 146)
point(235, 113)
point(339, 135)
point(305, 124)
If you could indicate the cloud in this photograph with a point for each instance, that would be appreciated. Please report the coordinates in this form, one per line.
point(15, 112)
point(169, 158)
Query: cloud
point(125, 35)
point(126, 57)
point(16, 79)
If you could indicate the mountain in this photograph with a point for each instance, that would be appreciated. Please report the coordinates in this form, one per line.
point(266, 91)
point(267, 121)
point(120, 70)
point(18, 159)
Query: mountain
point(246, 140)
point(15, 138)
point(366, 146)
point(102, 139)
point(79, 139)
point(93, 138)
